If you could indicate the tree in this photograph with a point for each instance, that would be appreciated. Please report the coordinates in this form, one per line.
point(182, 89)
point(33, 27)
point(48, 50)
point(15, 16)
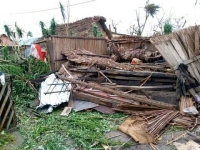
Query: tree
point(52, 28)
point(62, 9)
point(8, 31)
point(29, 34)
point(114, 25)
point(19, 31)
point(46, 32)
point(150, 10)
point(168, 27)
point(15, 34)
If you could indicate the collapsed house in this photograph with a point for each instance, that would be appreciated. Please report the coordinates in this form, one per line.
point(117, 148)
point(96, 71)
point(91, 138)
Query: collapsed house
point(85, 27)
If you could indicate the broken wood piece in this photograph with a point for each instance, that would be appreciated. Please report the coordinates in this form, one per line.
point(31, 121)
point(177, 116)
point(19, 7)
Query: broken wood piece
point(119, 93)
point(105, 76)
point(57, 92)
point(177, 138)
point(71, 101)
point(153, 146)
point(66, 111)
point(67, 71)
point(152, 88)
point(92, 98)
point(146, 80)
point(197, 41)
point(93, 55)
point(137, 73)
point(100, 94)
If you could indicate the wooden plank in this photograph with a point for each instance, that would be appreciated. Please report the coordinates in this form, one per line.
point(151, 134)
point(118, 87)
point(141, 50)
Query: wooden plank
point(126, 78)
point(130, 73)
point(50, 55)
point(165, 53)
point(180, 50)
point(92, 98)
point(5, 100)
point(5, 116)
point(171, 48)
point(3, 90)
point(196, 41)
point(10, 119)
point(150, 88)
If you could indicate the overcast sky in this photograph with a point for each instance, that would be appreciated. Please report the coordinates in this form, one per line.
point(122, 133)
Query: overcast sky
point(118, 10)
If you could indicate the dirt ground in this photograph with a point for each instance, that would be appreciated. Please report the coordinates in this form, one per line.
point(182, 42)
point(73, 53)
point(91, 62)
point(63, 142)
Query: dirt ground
point(118, 136)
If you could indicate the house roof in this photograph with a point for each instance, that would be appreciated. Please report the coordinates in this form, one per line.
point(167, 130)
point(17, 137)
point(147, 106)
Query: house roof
point(28, 41)
point(83, 25)
point(5, 41)
point(129, 38)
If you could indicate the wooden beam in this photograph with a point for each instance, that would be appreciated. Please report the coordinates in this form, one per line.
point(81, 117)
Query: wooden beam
point(196, 41)
point(129, 73)
point(151, 88)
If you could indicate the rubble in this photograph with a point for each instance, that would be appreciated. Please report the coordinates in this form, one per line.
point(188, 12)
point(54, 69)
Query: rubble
point(123, 82)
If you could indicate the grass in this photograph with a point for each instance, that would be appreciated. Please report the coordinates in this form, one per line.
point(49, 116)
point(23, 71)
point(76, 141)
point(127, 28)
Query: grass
point(53, 131)
point(174, 129)
point(5, 139)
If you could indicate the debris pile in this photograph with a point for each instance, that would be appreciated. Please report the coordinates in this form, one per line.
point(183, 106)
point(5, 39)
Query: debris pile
point(122, 87)
point(104, 84)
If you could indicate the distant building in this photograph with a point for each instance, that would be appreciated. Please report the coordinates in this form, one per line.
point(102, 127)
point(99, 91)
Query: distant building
point(26, 45)
point(84, 27)
point(5, 41)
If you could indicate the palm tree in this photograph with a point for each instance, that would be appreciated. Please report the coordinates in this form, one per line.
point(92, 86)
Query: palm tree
point(62, 9)
point(45, 32)
point(151, 10)
point(19, 31)
point(29, 34)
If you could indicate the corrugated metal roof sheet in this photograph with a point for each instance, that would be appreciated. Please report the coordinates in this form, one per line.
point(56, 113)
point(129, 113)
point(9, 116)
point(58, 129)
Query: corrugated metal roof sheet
point(28, 41)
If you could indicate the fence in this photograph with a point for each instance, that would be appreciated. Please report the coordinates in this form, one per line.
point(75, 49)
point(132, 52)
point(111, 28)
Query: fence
point(7, 115)
point(58, 44)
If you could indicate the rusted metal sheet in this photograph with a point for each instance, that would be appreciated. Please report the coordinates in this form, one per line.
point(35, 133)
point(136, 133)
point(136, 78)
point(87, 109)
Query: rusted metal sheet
point(83, 105)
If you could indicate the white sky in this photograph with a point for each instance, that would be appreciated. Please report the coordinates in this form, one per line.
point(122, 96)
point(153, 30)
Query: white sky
point(118, 10)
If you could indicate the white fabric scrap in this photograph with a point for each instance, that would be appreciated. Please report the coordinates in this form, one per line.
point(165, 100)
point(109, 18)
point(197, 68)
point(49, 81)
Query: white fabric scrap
point(54, 99)
point(2, 77)
point(191, 110)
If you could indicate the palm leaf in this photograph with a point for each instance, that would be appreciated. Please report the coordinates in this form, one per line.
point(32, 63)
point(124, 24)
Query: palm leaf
point(19, 31)
point(62, 9)
point(45, 32)
point(52, 29)
point(8, 31)
point(152, 9)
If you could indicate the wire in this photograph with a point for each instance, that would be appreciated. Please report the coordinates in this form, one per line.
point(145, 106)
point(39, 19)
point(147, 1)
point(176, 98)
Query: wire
point(49, 9)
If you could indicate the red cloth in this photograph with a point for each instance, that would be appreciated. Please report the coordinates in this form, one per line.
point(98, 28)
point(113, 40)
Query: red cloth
point(40, 52)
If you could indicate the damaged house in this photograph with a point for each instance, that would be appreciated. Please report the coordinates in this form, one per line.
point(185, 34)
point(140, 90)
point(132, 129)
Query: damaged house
point(85, 28)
